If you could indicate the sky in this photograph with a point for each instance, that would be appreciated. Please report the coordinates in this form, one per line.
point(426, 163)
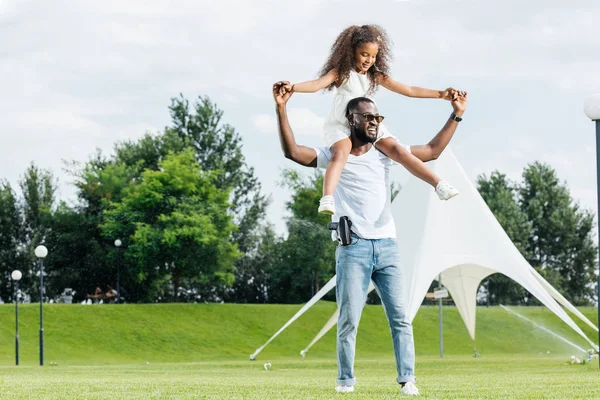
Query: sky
point(79, 75)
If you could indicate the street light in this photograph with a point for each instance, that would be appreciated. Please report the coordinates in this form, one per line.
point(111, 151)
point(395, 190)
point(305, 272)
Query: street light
point(41, 252)
point(118, 244)
point(591, 107)
point(16, 276)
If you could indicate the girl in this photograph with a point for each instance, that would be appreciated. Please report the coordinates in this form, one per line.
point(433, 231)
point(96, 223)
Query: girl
point(357, 65)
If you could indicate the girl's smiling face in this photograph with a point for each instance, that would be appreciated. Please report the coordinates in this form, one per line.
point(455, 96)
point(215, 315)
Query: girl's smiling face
point(365, 56)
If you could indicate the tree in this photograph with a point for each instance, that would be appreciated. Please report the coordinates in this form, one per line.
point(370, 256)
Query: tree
point(254, 271)
point(103, 182)
point(81, 256)
point(77, 257)
point(500, 195)
point(551, 231)
point(38, 187)
point(218, 147)
point(10, 238)
point(175, 227)
point(562, 241)
point(307, 257)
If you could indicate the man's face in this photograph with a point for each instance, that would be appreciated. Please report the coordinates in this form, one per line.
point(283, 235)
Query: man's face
point(364, 130)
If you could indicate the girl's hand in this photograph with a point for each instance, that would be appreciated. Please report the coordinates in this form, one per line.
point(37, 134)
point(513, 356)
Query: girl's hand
point(452, 94)
point(281, 87)
point(289, 87)
point(285, 87)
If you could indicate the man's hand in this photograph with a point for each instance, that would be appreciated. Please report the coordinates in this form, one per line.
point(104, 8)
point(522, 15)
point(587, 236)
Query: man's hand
point(459, 105)
point(451, 94)
point(280, 93)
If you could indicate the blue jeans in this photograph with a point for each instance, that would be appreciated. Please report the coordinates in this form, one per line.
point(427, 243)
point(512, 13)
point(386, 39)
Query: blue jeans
point(356, 265)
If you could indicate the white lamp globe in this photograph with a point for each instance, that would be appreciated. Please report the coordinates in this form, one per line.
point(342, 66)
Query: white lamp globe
point(591, 107)
point(118, 243)
point(16, 275)
point(41, 251)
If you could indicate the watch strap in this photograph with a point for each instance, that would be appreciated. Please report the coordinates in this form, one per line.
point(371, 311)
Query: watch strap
point(454, 117)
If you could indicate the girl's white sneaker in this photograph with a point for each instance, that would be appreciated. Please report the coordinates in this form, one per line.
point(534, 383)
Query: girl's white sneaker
point(326, 205)
point(445, 191)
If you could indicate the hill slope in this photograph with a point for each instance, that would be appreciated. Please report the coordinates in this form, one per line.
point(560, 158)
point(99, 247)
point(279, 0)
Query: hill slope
point(111, 334)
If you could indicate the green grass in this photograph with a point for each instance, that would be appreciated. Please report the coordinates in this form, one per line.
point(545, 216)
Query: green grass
point(455, 378)
point(111, 334)
point(181, 351)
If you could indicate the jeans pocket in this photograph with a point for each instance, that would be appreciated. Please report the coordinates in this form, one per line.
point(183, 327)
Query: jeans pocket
point(355, 240)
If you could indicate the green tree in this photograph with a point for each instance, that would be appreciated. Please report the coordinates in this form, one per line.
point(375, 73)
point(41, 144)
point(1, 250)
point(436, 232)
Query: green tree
point(500, 194)
point(254, 270)
point(551, 231)
point(562, 246)
point(77, 258)
point(218, 147)
point(82, 257)
point(307, 257)
point(10, 239)
point(38, 188)
point(175, 227)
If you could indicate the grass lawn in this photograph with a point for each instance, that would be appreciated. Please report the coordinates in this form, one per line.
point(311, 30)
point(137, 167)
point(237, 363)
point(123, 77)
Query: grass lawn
point(452, 378)
point(200, 351)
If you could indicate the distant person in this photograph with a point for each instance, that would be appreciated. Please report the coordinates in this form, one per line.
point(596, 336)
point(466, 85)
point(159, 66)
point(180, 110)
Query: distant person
point(100, 295)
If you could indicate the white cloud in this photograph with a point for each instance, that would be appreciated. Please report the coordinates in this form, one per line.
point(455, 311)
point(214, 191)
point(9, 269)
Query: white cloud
point(304, 122)
point(265, 123)
point(80, 75)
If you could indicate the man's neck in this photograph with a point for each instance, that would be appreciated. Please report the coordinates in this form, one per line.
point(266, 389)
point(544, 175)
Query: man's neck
point(359, 147)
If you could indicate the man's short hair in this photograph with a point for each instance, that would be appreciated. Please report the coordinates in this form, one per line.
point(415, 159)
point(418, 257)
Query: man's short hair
point(351, 106)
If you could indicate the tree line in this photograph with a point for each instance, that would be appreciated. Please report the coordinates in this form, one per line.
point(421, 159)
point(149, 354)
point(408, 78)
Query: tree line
point(191, 215)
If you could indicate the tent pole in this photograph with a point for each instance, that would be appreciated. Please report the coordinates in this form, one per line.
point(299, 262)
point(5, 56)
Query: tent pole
point(441, 319)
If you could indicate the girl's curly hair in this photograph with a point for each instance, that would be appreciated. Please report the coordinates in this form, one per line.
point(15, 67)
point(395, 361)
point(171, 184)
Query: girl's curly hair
point(342, 54)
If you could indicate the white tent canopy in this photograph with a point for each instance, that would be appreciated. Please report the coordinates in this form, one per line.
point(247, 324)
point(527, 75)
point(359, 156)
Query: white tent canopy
point(461, 240)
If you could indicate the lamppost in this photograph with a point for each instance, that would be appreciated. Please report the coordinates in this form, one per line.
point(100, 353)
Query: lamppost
point(16, 276)
point(118, 244)
point(591, 108)
point(441, 318)
point(41, 252)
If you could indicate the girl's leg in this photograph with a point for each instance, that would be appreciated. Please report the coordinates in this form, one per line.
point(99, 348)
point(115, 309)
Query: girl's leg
point(339, 156)
point(390, 147)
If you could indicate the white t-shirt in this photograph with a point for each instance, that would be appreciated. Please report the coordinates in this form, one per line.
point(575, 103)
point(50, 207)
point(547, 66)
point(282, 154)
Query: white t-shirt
point(363, 193)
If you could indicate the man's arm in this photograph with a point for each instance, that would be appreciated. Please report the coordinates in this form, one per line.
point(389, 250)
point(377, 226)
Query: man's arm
point(436, 146)
point(300, 154)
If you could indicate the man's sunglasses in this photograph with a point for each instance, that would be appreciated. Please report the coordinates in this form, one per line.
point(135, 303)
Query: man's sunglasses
point(371, 117)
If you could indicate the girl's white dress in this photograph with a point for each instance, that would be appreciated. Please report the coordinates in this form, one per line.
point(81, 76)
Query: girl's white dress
point(336, 125)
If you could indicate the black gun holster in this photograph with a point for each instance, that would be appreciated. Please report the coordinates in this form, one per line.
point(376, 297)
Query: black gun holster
point(343, 228)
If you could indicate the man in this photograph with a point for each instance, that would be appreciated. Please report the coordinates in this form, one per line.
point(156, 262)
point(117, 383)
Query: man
point(363, 194)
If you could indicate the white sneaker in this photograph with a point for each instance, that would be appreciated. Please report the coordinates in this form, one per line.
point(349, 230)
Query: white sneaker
point(445, 191)
point(410, 389)
point(326, 205)
point(344, 389)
